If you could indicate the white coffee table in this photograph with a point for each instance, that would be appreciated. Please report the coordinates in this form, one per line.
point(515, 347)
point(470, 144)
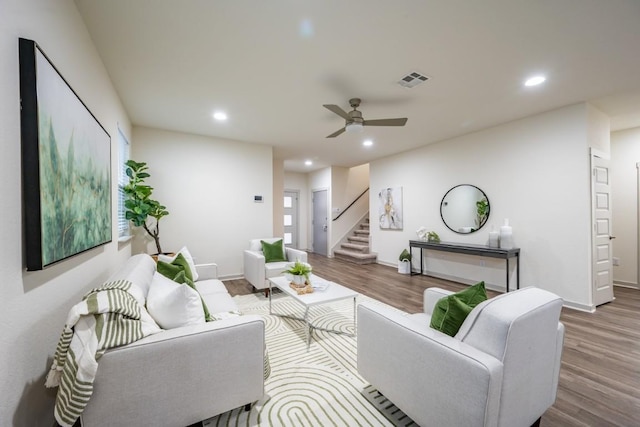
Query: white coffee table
point(333, 292)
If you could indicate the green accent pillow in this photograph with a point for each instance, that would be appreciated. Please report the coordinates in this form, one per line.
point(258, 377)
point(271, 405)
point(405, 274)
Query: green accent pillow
point(450, 312)
point(181, 277)
point(273, 252)
point(170, 270)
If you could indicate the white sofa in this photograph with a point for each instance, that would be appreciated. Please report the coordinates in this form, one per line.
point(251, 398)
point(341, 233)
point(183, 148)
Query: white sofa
point(257, 272)
point(184, 375)
point(500, 369)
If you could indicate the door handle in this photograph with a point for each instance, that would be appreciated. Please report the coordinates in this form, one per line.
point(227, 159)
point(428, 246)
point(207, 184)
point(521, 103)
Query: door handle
point(324, 227)
point(612, 237)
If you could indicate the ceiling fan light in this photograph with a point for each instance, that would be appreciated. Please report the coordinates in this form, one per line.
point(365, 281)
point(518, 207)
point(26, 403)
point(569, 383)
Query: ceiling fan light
point(354, 127)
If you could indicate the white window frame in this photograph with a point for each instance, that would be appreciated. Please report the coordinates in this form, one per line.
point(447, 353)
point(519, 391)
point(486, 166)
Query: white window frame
point(124, 227)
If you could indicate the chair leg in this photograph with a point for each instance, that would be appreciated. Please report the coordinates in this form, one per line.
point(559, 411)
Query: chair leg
point(537, 423)
point(266, 293)
point(247, 407)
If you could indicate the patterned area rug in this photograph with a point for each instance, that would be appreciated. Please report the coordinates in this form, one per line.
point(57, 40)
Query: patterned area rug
point(315, 387)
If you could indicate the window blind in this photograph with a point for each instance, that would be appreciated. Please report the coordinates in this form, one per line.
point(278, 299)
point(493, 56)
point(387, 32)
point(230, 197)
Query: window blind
point(123, 151)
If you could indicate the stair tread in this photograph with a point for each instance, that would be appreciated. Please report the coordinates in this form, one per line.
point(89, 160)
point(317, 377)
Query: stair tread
point(355, 254)
point(358, 239)
point(355, 247)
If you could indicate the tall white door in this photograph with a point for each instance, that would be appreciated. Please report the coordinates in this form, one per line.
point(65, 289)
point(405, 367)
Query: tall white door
point(291, 219)
point(320, 224)
point(601, 233)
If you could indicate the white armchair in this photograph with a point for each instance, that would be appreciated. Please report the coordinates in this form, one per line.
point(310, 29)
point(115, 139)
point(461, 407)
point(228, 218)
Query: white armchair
point(257, 272)
point(500, 369)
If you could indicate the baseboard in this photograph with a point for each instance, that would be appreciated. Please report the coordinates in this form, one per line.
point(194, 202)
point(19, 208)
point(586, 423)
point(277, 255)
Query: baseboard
point(578, 306)
point(235, 276)
point(626, 285)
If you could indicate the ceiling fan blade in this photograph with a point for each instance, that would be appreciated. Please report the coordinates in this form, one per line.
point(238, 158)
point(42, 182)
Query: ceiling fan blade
point(336, 133)
point(339, 111)
point(385, 122)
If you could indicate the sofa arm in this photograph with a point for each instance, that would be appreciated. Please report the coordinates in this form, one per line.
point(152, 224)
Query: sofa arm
point(431, 297)
point(432, 377)
point(207, 271)
point(180, 376)
point(254, 268)
point(296, 255)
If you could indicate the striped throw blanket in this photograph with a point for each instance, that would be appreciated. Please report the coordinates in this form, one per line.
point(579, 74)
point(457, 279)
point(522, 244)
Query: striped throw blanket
point(106, 317)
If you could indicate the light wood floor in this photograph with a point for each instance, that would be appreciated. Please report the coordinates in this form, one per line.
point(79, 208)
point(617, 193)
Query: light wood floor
point(600, 374)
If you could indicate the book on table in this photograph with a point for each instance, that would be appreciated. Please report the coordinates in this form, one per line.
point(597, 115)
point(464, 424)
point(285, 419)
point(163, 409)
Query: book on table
point(319, 284)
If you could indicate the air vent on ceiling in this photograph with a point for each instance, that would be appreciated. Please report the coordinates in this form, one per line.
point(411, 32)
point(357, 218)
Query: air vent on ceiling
point(412, 79)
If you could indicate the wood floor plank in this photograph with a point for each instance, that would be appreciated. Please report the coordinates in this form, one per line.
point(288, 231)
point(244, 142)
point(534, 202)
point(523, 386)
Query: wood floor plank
point(600, 373)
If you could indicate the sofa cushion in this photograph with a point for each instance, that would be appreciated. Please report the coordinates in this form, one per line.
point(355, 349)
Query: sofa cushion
point(450, 312)
point(139, 270)
point(173, 305)
point(183, 279)
point(273, 252)
point(215, 295)
point(275, 269)
point(188, 258)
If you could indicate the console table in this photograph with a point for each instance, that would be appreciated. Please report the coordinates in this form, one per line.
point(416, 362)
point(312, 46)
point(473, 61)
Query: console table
point(479, 250)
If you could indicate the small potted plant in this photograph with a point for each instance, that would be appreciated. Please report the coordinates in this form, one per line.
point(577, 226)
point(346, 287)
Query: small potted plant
point(298, 273)
point(404, 262)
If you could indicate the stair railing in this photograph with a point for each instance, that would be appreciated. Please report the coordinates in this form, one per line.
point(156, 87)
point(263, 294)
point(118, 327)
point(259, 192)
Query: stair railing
point(351, 204)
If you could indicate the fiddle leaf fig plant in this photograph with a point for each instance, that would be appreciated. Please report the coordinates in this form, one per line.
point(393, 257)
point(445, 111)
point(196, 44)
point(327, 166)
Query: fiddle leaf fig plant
point(139, 205)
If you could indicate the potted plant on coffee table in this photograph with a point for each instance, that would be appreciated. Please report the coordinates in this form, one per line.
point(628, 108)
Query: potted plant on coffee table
point(298, 273)
point(139, 205)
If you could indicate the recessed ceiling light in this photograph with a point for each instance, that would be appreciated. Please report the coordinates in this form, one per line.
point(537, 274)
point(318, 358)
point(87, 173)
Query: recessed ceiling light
point(220, 116)
point(367, 143)
point(308, 162)
point(534, 81)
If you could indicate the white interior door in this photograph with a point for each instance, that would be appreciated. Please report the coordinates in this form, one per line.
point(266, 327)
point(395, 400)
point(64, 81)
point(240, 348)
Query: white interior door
point(320, 224)
point(601, 234)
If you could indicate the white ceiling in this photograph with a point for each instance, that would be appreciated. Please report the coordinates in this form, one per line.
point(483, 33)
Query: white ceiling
point(271, 65)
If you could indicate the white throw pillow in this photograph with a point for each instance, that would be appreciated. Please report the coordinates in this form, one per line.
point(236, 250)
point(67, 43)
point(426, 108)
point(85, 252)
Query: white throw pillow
point(187, 255)
point(173, 304)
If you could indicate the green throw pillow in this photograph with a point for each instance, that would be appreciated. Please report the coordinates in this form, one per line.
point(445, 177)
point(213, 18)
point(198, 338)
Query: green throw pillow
point(181, 277)
point(450, 312)
point(179, 264)
point(273, 252)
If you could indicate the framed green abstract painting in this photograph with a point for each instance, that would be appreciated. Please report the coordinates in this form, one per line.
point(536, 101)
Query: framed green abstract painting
point(66, 165)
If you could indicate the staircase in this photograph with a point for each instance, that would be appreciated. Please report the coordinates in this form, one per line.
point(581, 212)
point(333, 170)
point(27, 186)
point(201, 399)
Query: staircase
point(356, 250)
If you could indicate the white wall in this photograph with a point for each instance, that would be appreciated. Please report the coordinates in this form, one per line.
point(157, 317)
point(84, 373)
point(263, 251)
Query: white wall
point(298, 182)
point(34, 305)
point(625, 154)
point(535, 171)
point(208, 186)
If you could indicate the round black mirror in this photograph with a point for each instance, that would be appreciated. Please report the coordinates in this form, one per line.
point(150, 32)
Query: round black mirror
point(464, 209)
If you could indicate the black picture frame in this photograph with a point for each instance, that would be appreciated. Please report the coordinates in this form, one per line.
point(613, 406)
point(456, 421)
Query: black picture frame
point(66, 165)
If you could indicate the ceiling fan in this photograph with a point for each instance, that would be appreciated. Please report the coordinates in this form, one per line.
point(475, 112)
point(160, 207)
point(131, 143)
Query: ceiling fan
point(354, 120)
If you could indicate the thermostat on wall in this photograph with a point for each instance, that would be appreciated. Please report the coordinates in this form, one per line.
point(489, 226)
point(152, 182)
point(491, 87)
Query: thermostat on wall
point(257, 199)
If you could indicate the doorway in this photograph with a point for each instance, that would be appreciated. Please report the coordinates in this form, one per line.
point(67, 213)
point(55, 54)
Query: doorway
point(319, 221)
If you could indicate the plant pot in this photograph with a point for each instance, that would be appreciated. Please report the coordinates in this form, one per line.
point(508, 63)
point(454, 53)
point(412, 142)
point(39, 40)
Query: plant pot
point(300, 281)
point(404, 267)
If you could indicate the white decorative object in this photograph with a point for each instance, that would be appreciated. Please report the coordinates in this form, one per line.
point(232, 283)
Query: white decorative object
point(506, 235)
point(494, 239)
point(422, 233)
point(404, 267)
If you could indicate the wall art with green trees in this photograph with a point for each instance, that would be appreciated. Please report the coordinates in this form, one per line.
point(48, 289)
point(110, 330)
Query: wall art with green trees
point(66, 166)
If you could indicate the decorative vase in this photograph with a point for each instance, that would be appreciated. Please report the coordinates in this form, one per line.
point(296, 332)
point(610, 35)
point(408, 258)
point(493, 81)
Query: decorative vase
point(299, 281)
point(404, 267)
point(506, 235)
point(494, 239)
